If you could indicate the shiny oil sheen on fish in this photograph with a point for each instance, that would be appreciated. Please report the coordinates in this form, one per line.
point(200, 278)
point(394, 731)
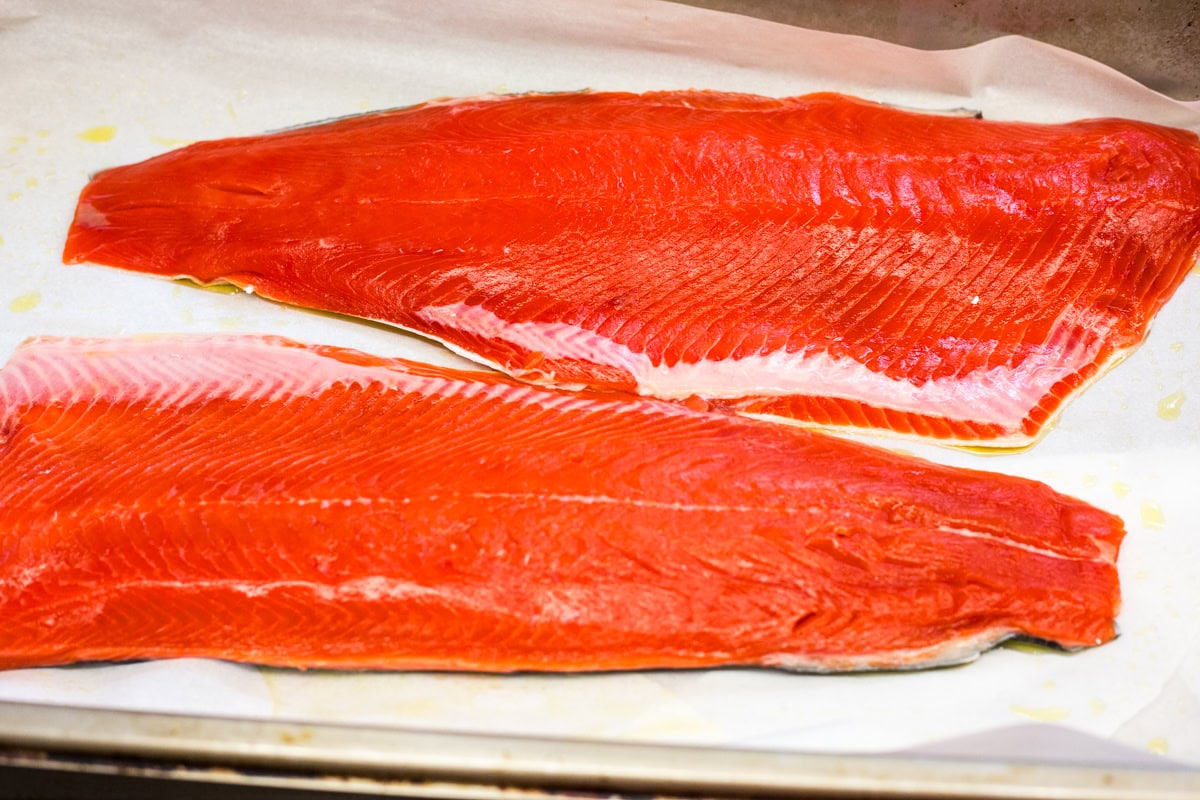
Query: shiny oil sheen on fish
point(822, 259)
point(257, 500)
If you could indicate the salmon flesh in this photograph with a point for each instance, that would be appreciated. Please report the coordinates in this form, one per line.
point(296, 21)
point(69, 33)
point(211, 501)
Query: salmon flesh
point(822, 259)
point(258, 500)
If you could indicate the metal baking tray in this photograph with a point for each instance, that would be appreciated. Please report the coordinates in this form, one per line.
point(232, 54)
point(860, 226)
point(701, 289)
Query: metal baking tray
point(216, 752)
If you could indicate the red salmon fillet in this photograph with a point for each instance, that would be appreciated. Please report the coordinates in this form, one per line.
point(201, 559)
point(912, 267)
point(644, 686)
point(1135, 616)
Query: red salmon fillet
point(821, 258)
point(258, 500)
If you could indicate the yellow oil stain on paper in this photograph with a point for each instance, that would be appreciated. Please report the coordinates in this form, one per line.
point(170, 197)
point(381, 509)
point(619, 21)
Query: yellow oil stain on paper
point(1120, 489)
point(673, 719)
point(100, 133)
point(1041, 713)
point(1097, 707)
point(26, 302)
point(1152, 516)
point(1090, 480)
point(43, 133)
point(1158, 745)
point(272, 686)
point(1027, 646)
point(1177, 347)
point(14, 196)
point(1, 241)
point(230, 111)
point(31, 182)
point(1049, 684)
point(1169, 406)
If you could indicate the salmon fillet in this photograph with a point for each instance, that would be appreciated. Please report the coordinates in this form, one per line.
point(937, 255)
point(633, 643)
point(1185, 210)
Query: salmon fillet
point(821, 259)
point(258, 500)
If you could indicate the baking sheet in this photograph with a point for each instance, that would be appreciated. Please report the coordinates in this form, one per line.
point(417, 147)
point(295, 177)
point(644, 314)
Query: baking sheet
point(88, 88)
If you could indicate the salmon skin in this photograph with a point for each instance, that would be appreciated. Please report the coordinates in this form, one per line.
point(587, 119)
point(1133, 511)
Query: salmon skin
point(257, 500)
point(821, 259)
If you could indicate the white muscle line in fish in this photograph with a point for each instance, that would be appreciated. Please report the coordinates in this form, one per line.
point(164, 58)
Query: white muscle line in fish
point(600, 499)
point(435, 497)
point(369, 588)
point(998, 395)
point(1029, 548)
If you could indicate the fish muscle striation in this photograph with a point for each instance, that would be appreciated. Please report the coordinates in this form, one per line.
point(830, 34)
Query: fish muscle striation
point(821, 259)
point(258, 500)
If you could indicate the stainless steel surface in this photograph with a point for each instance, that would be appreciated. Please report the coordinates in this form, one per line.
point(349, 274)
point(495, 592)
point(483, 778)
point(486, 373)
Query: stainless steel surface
point(53, 776)
point(449, 765)
point(1156, 43)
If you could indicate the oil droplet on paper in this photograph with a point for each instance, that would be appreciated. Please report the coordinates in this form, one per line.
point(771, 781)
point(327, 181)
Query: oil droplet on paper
point(1029, 646)
point(1, 241)
point(1041, 714)
point(1157, 745)
point(100, 133)
point(1177, 347)
point(1049, 684)
point(1152, 516)
point(26, 302)
point(31, 182)
point(1120, 489)
point(43, 133)
point(1168, 407)
point(272, 685)
point(1097, 707)
point(1090, 480)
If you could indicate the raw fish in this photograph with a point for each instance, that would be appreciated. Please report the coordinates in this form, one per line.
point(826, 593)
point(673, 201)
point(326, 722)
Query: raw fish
point(257, 500)
point(822, 259)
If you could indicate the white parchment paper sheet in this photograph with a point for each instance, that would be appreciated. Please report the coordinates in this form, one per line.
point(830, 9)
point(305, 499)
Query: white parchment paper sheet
point(84, 88)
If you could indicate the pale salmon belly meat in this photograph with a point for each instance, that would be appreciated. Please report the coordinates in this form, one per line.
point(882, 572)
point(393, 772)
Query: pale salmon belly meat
point(822, 259)
point(258, 500)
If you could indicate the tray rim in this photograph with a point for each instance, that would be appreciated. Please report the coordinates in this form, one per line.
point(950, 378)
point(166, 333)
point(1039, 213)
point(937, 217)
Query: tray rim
point(446, 764)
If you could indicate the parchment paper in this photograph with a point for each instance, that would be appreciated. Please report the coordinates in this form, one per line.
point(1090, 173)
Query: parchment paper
point(83, 89)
